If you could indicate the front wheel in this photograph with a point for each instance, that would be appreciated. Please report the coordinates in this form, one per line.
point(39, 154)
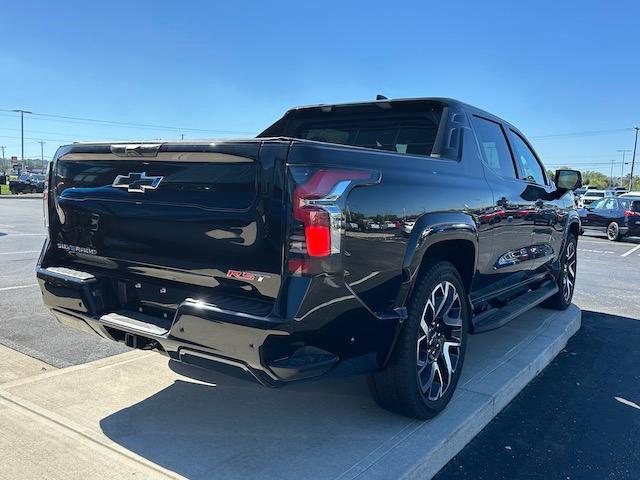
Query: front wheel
point(426, 362)
point(567, 276)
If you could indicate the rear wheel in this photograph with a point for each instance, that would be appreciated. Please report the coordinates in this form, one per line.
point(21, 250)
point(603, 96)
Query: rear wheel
point(613, 232)
point(567, 276)
point(426, 362)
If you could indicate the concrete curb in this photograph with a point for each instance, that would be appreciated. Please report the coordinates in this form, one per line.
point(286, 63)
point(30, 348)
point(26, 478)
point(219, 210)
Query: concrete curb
point(477, 401)
point(26, 196)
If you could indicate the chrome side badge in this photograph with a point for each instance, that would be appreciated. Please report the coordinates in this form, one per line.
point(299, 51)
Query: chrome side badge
point(137, 182)
point(77, 249)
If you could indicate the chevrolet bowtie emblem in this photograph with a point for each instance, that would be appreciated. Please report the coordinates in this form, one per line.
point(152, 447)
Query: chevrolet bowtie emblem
point(137, 182)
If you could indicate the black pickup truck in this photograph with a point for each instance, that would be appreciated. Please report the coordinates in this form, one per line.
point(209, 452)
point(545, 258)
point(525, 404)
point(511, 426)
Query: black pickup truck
point(372, 235)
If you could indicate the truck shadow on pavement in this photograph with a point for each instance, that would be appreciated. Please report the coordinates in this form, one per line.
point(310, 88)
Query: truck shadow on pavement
point(212, 425)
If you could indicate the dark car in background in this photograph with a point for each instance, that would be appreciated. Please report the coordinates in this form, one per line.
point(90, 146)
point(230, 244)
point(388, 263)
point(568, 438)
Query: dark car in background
point(27, 183)
point(617, 217)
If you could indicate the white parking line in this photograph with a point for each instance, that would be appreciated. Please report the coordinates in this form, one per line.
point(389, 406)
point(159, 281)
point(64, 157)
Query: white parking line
point(594, 251)
point(23, 251)
point(582, 240)
point(4, 289)
point(631, 251)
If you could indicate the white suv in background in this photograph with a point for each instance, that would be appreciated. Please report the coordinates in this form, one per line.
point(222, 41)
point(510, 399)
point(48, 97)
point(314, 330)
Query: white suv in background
point(591, 196)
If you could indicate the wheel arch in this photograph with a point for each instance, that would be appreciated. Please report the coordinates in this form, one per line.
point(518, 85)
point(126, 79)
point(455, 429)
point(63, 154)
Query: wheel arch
point(451, 237)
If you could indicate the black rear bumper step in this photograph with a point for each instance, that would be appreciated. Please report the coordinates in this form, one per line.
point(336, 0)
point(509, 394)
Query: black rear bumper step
point(306, 362)
point(136, 323)
point(497, 317)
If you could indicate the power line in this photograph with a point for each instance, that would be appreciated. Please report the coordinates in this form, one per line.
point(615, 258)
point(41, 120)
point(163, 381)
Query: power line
point(76, 135)
point(581, 134)
point(116, 123)
point(601, 155)
point(586, 163)
point(87, 120)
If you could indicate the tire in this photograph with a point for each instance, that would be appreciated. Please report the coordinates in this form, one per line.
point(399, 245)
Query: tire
point(567, 276)
point(613, 232)
point(419, 381)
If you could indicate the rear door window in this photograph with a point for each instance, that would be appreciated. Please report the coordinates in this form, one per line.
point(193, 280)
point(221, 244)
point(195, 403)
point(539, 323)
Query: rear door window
point(494, 147)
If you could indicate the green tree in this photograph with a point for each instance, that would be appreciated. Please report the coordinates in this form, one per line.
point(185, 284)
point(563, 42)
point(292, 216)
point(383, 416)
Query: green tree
point(595, 179)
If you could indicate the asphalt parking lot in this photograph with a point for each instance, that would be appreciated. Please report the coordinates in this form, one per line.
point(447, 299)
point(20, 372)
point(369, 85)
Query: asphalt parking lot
point(25, 325)
point(578, 419)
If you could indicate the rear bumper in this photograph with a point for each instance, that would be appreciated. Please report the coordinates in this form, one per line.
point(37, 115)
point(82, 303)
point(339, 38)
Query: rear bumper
point(268, 349)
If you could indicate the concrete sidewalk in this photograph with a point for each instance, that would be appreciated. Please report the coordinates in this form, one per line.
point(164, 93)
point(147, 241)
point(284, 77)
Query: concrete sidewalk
point(133, 414)
point(23, 196)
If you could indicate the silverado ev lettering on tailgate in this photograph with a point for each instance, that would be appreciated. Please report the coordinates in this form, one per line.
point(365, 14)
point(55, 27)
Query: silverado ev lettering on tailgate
point(379, 234)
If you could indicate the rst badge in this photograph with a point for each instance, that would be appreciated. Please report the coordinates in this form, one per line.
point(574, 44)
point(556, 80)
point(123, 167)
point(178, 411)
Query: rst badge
point(248, 276)
point(137, 182)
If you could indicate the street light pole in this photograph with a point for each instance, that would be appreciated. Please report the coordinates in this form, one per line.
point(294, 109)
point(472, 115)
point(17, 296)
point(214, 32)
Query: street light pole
point(22, 112)
point(633, 159)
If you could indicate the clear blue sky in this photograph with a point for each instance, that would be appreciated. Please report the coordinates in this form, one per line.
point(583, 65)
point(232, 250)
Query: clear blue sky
point(548, 67)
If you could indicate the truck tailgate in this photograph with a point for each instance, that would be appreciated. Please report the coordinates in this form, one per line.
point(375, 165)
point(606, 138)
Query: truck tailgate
point(208, 216)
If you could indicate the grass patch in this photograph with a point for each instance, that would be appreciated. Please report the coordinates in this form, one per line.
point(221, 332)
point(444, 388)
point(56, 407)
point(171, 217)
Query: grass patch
point(4, 190)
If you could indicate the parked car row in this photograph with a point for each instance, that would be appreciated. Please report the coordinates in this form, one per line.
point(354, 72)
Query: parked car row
point(616, 216)
point(587, 195)
point(27, 183)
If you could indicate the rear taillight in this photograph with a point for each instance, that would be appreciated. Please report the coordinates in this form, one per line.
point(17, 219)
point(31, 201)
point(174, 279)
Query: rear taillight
point(45, 199)
point(631, 213)
point(318, 196)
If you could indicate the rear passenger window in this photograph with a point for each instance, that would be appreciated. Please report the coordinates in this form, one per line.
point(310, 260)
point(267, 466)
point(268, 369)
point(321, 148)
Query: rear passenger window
point(611, 204)
point(494, 147)
point(526, 159)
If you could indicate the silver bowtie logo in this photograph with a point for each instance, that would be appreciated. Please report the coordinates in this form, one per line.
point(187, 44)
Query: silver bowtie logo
point(137, 182)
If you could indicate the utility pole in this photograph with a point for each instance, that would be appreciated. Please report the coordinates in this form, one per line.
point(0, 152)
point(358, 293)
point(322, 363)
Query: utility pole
point(4, 167)
point(622, 169)
point(22, 112)
point(633, 159)
point(611, 176)
point(42, 142)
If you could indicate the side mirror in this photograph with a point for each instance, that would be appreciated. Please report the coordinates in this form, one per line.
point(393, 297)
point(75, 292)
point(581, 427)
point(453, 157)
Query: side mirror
point(568, 179)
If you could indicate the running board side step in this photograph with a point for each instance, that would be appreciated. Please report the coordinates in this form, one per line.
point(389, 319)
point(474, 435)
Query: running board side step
point(497, 317)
